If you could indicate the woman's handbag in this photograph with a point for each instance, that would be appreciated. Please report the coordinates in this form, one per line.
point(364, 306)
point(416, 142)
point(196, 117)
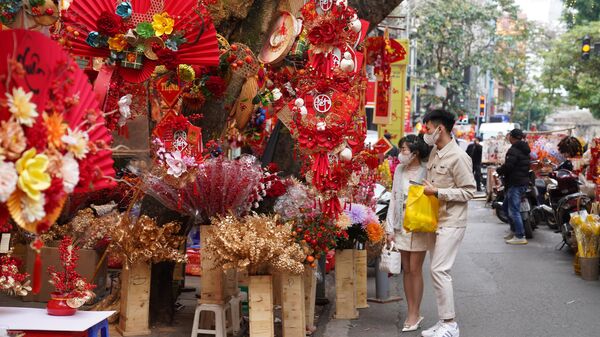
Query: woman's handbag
point(390, 261)
point(421, 214)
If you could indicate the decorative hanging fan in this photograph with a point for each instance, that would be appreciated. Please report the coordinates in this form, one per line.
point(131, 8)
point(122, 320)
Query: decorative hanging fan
point(140, 34)
point(244, 67)
point(52, 136)
point(280, 41)
point(28, 14)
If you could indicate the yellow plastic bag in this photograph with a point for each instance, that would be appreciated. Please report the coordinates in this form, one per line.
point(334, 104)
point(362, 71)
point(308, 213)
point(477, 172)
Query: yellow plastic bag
point(421, 214)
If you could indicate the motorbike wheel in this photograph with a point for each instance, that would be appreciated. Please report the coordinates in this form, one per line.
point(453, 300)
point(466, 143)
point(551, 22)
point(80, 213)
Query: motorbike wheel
point(502, 215)
point(527, 227)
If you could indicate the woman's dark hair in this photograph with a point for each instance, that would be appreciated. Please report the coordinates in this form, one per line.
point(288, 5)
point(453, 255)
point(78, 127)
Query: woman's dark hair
point(415, 144)
point(570, 146)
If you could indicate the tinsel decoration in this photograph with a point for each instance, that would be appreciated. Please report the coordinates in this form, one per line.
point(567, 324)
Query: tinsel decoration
point(144, 241)
point(86, 228)
point(255, 242)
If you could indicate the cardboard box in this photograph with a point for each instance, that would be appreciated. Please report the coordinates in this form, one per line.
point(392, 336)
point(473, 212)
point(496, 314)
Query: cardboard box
point(86, 266)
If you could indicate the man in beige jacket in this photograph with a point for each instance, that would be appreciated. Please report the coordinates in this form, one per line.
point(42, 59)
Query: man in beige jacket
point(450, 179)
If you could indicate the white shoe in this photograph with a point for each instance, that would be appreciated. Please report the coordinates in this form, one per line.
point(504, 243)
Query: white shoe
point(517, 241)
point(431, 331)
point(448, 330)
point(414, 327)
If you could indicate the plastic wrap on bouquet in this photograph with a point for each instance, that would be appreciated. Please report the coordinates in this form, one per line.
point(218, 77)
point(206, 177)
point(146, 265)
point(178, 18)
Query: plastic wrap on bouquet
point(220, 186)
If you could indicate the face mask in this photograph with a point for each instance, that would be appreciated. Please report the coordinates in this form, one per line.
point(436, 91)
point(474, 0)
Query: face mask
point(405, 158)
point(431, 139)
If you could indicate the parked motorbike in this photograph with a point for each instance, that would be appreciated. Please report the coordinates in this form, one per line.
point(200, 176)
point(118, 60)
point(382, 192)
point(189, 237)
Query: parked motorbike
point(528, 201)
point(562, 197)
point(383, 201)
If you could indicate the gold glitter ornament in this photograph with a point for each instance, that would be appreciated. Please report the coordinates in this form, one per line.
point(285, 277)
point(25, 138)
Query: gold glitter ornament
point(255, 242)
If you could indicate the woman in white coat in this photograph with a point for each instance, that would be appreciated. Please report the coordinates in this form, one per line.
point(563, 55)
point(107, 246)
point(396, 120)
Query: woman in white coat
point(413, 246)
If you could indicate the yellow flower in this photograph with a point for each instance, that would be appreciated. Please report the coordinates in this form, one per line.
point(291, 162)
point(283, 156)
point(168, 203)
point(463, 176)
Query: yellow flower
point(33, 178)
point(117, 43)
point(56, 128)
point(162, 24)
point(21, 107)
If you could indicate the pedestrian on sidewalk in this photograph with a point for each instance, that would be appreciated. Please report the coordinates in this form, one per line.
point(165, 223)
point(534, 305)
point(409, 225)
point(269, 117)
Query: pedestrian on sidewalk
point(515, 171)
point(474, 150)
point(413, 246)
point(450, 179)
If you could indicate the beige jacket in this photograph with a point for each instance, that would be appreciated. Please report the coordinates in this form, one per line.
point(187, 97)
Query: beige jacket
point(450, 169)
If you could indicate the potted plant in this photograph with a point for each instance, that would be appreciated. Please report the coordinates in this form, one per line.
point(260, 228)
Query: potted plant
point(72, 290)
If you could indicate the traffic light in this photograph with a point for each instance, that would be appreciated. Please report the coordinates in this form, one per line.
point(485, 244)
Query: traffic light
point(481, 106)
point(585, 48)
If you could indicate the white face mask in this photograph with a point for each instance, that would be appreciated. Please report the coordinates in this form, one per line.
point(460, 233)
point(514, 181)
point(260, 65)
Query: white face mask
point(405, 159)
point(431, 139)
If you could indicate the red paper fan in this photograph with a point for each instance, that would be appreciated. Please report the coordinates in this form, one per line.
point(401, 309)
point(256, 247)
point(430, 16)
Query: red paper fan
point(46, 64)
point(200, 49)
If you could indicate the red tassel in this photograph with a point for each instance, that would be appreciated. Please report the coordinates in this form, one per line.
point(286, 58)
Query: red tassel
point(37, 273)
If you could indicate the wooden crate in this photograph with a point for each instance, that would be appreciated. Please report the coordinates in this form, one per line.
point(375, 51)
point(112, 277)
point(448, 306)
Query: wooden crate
point(360, 265)
point(293, 309)
point(345, 285)
point(310, 295)
point(212, 281)
point(261, 306)
point(135, 300)
point(277, 288)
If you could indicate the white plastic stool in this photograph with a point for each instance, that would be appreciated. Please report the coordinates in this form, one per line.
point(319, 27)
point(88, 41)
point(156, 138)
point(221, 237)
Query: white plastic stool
point(221, 328)
point(235, 304)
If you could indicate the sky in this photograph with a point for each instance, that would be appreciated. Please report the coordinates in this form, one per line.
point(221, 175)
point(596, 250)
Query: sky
point(546, 11)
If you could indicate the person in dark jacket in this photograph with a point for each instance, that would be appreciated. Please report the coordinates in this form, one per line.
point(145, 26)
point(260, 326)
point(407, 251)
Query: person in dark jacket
point(516, 178)
point(474, 150)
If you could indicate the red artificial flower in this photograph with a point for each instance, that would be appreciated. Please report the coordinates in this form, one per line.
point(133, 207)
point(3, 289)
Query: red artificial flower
point(37, 135)
point(327, 140)
point(109, 24)
point(277, 189)
point(168, 58)
point(323, 34)
point(306, 140)
point(216, 86)
point(54, 194)
point(273, 167)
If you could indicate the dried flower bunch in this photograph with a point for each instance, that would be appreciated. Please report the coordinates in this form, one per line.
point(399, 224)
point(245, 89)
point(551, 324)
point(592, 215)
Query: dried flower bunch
point(255, 242)
point(142, 240)
point(68, 282)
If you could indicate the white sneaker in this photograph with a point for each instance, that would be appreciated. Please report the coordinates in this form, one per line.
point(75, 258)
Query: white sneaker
point(447, 330)
point(517, 241)
point(431, 331)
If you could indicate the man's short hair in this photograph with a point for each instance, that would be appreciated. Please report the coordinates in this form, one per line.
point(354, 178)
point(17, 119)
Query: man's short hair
point(441, 116)
point(517, 134)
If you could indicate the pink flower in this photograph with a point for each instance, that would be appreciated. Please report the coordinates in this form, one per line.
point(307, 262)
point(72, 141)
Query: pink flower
point(176, 164)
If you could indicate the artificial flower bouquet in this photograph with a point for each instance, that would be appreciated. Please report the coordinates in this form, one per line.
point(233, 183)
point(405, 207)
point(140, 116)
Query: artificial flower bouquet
point(587, 232)
point(361, 226)
point(43, 156)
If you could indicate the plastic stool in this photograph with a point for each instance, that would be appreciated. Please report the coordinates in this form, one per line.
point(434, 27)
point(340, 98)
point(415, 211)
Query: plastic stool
point(235, 304)
point(220, 311)
point(101, 328)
